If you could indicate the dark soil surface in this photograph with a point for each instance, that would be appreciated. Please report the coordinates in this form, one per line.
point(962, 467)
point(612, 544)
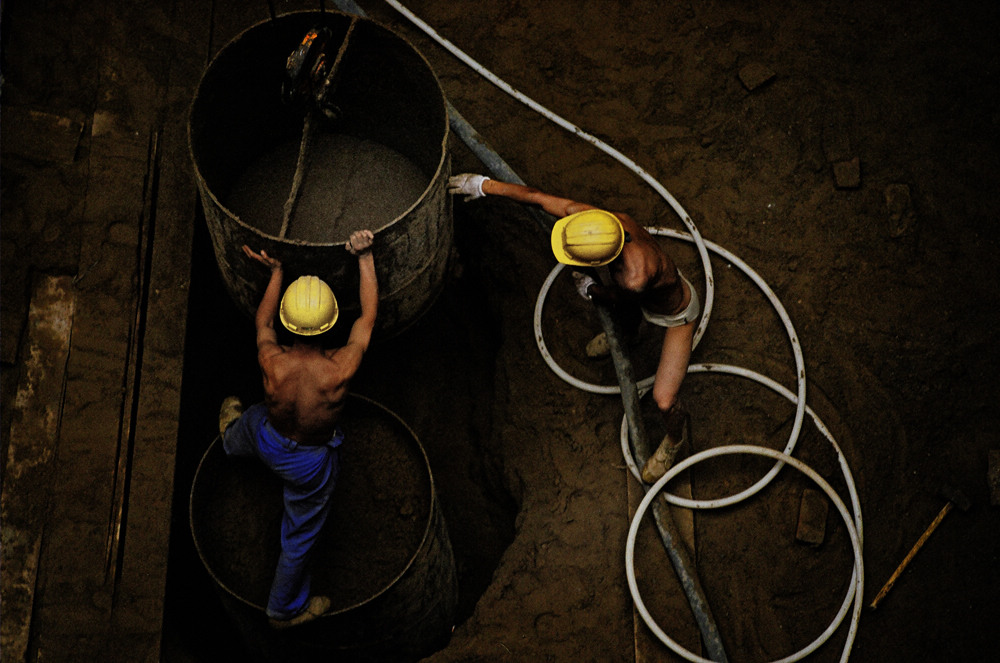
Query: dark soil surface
point(859, 181)
point(846, 151)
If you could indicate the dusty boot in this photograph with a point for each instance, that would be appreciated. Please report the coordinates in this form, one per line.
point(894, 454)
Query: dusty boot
point(229, 411)
point(663, 458)
point(317, 606)
point(598, 346)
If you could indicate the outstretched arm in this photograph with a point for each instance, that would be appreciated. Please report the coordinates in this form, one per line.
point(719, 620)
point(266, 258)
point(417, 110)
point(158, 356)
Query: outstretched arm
point(554, 205)
point(267, 337)
point(476, 186)
point(360, 245)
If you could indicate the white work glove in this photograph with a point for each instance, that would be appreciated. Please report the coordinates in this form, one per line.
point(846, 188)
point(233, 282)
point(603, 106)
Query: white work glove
point(469, 184)
point(583, 283)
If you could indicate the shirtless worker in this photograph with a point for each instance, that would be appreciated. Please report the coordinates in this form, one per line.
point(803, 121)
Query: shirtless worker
point(642, 275)
point(294, 431)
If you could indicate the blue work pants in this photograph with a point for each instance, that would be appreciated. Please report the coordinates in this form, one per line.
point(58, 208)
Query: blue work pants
point(309, 474)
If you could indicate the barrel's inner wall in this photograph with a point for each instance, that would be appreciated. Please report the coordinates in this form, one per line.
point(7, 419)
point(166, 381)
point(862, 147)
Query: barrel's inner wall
point(386, 94)
point(379, 515)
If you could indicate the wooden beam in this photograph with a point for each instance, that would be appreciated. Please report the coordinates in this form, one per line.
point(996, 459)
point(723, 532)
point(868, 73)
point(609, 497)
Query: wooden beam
point(31, 455)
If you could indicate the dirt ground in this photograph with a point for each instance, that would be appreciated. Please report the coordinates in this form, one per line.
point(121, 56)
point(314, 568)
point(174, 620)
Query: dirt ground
point(847, 152)
point(859, 181)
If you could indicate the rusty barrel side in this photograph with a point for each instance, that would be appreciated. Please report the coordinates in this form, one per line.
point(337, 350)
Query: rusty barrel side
point(387, 97)
point(384, 557)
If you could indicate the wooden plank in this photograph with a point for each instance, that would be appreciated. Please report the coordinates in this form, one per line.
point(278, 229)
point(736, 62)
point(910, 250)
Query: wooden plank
point(74, 563)
point(31, 454)
point(139, 606)
point(39, 136)
point(669, 597)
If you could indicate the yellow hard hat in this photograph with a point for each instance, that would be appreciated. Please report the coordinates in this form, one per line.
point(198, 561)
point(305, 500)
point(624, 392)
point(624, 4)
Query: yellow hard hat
point(308, 306)
point(589, 239)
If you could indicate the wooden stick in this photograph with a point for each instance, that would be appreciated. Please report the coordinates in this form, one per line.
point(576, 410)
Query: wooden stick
point(913, 551)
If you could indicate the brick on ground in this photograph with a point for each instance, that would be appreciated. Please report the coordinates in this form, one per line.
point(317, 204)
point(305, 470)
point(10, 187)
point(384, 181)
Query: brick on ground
point(813, 509)
point(754, 74)
point(847, 174)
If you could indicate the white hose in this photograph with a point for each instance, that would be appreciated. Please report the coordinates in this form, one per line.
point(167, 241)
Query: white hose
point(855, 589)
point(777, 388)
point(857, 579)
point(854, 528)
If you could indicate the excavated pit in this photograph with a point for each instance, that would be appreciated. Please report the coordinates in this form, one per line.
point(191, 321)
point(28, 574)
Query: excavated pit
point(458, 338)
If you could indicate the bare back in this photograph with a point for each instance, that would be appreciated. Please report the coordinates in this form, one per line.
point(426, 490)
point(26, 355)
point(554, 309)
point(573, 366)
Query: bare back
point(305, 389)
point(304, 385)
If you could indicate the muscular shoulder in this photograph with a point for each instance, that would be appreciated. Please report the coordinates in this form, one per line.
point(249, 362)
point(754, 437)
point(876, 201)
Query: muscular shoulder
point(345, 360)
point(643, 267)
point(269, 351)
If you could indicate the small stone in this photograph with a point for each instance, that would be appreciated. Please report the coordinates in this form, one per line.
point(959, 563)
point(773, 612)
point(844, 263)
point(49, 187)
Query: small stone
point(407, 508)
point(813, 509)
point(847, 174)
point(51, 233)
point(899, 204)
point(755, 74)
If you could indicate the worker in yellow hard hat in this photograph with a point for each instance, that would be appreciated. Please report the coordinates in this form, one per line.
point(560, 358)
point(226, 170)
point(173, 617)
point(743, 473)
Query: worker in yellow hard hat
point(640, 271)
point(295, 430)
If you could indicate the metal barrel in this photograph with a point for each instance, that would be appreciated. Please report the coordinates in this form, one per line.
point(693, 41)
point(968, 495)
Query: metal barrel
point(384, 557)
point(379, 160)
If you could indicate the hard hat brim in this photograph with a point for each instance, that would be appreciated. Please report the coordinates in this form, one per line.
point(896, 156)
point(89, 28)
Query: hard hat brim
point(309, 331)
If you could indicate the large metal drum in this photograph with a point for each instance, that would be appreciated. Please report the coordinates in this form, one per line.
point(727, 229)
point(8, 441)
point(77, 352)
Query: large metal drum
point(379, 161)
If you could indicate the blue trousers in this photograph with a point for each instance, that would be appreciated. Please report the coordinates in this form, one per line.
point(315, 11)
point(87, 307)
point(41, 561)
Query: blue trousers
point(309, 474)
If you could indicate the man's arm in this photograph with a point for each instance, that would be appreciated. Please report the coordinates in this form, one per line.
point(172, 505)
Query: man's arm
point(267, 337)
point(360, 245)
point(554, 205)
point(476, 186)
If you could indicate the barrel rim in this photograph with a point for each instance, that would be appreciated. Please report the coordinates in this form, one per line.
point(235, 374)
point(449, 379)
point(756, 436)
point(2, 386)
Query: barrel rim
point(207, 190)
point(428, 529)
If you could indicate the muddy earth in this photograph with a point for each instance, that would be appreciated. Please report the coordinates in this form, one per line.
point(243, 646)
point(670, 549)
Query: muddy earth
point(847, 154)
